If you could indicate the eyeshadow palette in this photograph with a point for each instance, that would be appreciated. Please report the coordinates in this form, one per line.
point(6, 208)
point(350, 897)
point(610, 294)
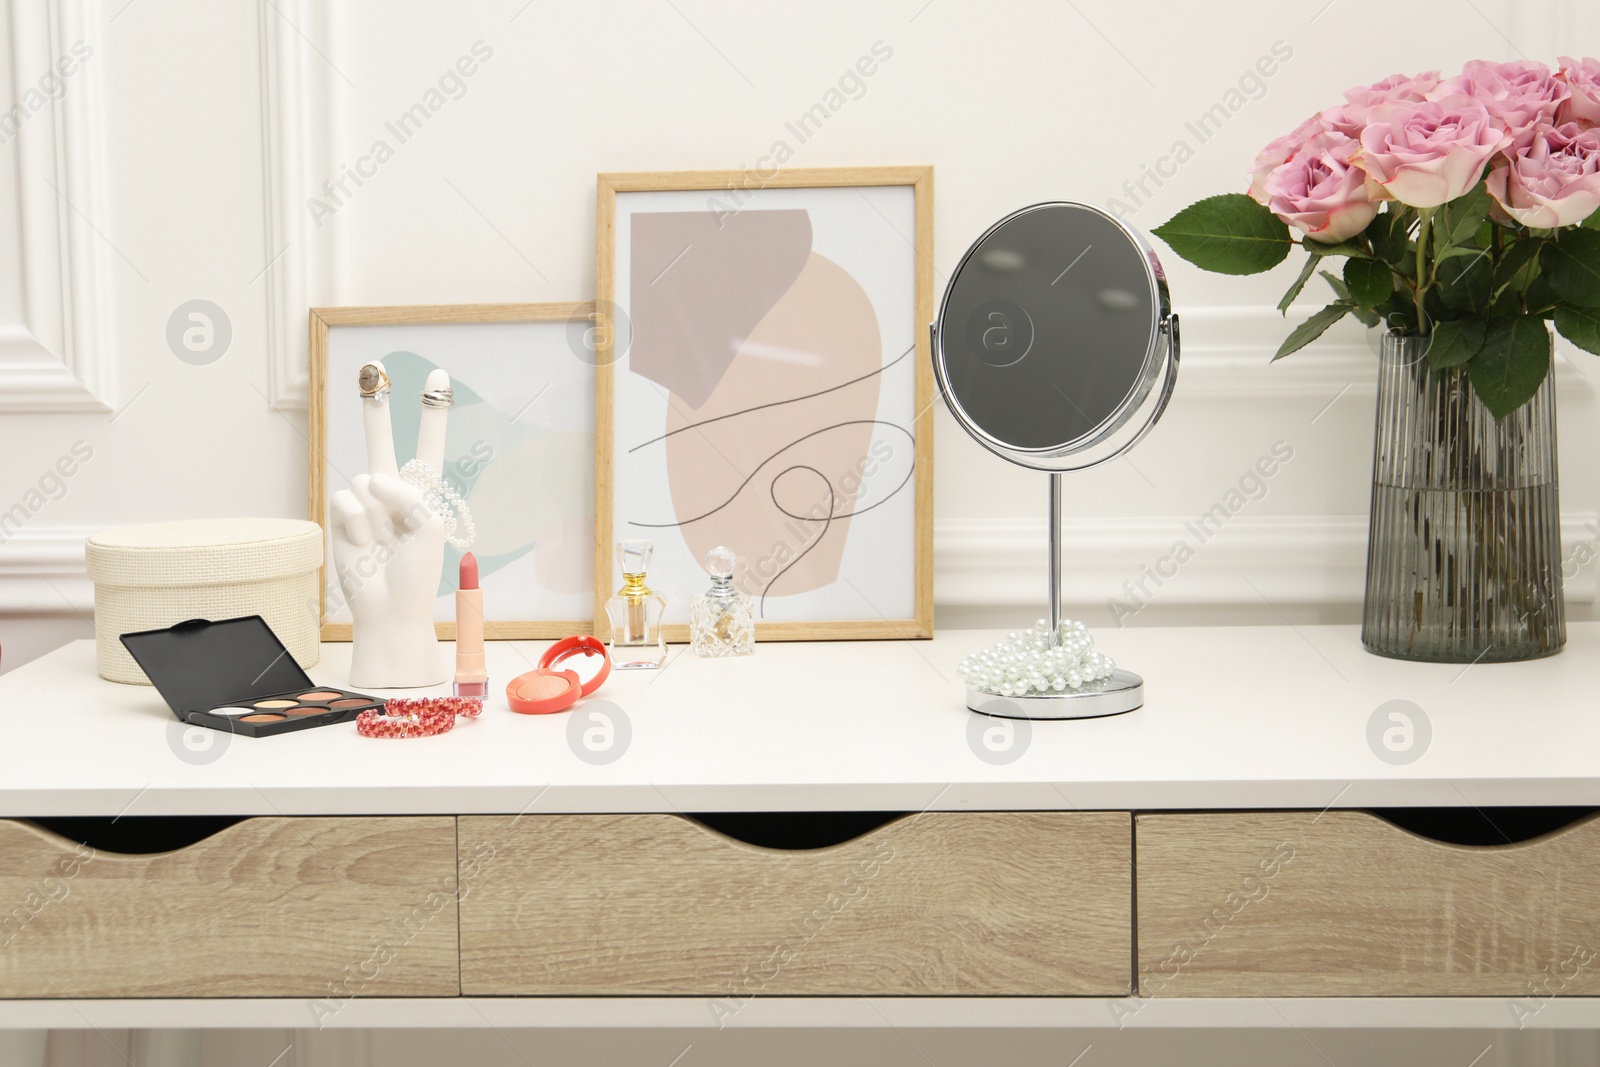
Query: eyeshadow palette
point(235, 675)
point(285, 711)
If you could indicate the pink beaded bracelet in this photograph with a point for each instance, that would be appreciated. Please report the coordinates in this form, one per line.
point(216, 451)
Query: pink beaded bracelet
point(416, 716)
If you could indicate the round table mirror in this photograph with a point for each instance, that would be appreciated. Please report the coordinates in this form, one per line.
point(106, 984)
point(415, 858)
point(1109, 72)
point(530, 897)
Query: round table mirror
point(1056, 348)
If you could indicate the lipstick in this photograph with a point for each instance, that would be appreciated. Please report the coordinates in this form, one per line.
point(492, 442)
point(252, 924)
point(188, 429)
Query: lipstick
point(472, 677)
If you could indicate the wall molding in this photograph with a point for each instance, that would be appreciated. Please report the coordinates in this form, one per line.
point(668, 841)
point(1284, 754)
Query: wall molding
point(1288, 560)
point(300, 102)
point(43, 572)
point(61, 356)
point(1227, 355)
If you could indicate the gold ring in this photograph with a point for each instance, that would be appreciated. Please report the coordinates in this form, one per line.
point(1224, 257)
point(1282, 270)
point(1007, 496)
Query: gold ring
point(374, 382)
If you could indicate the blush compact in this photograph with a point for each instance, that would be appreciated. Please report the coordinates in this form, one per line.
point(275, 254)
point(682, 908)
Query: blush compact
point(235, 675)
point(548, 689)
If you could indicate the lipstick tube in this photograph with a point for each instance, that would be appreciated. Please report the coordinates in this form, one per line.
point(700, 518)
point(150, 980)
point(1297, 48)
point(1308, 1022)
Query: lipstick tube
point(472, 674)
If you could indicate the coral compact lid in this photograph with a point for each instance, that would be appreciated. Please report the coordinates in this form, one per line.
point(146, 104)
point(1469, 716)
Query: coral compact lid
point(542, 691)
point(595, 665)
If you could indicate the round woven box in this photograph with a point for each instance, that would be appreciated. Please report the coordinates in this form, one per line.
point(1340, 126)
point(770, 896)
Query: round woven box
point(150, 577)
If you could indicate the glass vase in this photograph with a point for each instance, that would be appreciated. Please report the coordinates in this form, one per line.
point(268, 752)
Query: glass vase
point(1464, 546)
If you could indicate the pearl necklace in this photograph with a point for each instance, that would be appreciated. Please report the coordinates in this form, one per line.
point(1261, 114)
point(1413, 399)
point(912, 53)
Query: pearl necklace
point(442, 499)
point(1029, 662)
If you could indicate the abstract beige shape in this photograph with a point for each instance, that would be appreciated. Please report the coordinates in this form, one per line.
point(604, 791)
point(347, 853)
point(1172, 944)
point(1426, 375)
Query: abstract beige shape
point(700, 281)
point(517, 500)
point(791, 458)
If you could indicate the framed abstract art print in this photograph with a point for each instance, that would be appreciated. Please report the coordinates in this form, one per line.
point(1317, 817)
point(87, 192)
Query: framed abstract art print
point(764, 384)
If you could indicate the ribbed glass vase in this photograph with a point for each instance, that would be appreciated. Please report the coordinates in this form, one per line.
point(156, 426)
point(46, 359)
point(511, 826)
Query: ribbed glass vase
point(1464, 547)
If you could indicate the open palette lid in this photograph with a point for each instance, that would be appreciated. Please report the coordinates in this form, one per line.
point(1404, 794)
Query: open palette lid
point(200, 664)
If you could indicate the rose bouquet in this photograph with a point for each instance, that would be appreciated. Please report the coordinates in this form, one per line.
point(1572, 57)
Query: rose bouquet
point(1463, 208)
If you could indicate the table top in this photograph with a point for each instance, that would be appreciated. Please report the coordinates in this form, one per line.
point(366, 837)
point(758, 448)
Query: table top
point(1234, 717)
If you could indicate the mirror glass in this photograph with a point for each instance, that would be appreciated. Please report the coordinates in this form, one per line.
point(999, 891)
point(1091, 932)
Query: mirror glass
point(1050, 336)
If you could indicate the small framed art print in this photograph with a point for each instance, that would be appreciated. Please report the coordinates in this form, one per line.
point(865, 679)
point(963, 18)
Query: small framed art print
point(518, 449)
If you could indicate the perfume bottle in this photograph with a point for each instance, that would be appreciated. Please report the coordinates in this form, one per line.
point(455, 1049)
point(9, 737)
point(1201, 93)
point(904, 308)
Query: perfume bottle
point(635, 612)
point(722, 619)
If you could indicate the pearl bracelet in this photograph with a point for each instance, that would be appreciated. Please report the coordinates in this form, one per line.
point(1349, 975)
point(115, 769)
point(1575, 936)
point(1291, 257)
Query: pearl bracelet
point(1029, 662)
point(442, 500)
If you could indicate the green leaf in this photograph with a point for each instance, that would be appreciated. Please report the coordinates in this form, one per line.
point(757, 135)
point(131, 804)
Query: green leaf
point(1458, 220)
point(1465, 281)
point(1462, 252)
point(1229, 234)
point(1540, 297)
point(1593, 221)
point(1581, 326)
point(1512, 364)
point(1299, 284)
point(1513, 266)
point(1368, 281)
point(1399, 312)
point(1312, 328)
point(1343, 248)
point(1453, 343)
point(1387, 232)
point(1573, 264)
point(1367, 318)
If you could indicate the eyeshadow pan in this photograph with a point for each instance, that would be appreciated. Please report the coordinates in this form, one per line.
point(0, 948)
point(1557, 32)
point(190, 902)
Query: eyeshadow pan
point(231, 711)
point(262, 717)
point(320, 694)
point(350, 702)
point(308, 709)
point(274, 704)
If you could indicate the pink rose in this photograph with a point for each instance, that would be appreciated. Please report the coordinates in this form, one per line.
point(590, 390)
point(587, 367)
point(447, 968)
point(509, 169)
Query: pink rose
point(1279, 152)
point(1425, 154)
point(1371, 103)
point(1517, 95)
point(1395, 89)
point(1583, 79)
point(1320, 192)
point(1552, 178)
point(1348, 119)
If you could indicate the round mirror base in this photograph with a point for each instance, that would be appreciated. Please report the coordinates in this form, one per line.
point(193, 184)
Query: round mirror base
point(1122, 692)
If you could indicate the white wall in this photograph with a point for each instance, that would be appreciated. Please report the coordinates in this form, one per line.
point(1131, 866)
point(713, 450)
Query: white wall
point(186, 145)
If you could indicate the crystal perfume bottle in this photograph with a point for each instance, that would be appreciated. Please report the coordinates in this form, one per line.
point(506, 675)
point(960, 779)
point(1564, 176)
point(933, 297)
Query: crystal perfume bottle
point(635, 612)
point(722, 619)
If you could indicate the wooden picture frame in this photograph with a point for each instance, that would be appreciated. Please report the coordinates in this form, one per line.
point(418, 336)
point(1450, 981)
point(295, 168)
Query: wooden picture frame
point(575, 319)
point(846, 215)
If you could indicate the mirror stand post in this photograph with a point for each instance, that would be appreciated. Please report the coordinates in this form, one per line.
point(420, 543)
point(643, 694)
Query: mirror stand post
point(1122, 692)
point(1056, 611)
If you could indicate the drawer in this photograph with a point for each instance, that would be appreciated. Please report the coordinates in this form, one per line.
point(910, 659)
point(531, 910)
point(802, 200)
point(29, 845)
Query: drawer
point(980, 903)
point(324, 908)
point(1347, 904)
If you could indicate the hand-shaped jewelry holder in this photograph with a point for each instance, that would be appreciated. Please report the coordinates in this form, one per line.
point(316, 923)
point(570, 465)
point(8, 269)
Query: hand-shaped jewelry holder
point(1056, 349)
point(388, 531)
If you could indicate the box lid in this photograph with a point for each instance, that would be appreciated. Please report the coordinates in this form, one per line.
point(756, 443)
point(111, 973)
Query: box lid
point(205, 551)
point(200, 664)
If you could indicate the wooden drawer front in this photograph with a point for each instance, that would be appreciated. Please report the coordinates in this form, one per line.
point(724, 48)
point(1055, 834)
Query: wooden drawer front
point(1345, 904)
point(320, 908)
point(933, 904)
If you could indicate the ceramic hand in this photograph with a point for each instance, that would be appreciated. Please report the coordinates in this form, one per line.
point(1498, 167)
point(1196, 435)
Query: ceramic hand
point(388, 550)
